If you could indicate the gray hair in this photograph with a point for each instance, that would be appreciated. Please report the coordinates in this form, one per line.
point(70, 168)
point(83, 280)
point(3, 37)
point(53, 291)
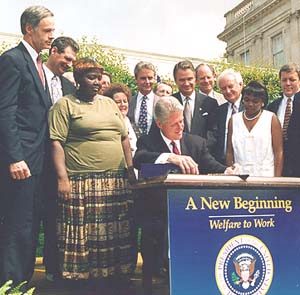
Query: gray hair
point(165, 106)
point(33, 15)
point(231, 72)
point(144, 65)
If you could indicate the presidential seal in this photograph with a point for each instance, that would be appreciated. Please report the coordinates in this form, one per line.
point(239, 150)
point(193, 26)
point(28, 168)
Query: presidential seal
point(244, 266)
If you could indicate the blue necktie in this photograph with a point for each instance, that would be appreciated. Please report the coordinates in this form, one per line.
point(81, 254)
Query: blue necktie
point(143, 116)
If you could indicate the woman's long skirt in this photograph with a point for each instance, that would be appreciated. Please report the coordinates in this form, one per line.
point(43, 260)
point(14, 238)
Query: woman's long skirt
point(95, 233)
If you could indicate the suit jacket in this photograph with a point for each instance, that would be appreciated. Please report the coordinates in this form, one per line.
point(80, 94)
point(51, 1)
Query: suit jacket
point(204, 117)
point(24, 104)
point(150, 146)
point(220, 131)
point(291, 146)
point(67, 86)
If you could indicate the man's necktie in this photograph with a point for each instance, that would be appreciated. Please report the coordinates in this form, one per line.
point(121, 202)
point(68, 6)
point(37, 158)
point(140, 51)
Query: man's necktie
point(234, 109)
point(39, 63)
point(174, 148)
point(56, 93)
point(142, 122)
point(187, 112)
point(287, 116)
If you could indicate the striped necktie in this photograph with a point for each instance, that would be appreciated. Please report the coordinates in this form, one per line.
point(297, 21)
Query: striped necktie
point(287, 116)
point(175, 149)
point(39, 63)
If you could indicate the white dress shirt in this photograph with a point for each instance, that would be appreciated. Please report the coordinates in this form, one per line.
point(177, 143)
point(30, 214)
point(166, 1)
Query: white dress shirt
point(49, 75)
point(163, 158)
point(33, 54)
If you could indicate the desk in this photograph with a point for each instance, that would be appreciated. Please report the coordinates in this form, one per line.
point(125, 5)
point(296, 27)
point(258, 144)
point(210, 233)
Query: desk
point(230, 236)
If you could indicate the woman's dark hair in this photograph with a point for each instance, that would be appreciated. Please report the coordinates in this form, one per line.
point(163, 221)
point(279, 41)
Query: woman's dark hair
point(116, 88)
point(258, 90)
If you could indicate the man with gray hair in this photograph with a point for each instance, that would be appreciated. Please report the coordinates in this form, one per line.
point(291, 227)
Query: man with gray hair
point(231, 84)
point(24, 105)
point(171, 145)
point(141, 105)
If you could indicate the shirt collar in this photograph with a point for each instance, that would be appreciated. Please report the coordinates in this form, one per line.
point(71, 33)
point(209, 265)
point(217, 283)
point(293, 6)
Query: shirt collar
point(237, 103)
point(31, 51)
point(285, 98)
point(48, 72)
point(150, 95)
point(192, 96)
point(210, 94)
point(168, 141)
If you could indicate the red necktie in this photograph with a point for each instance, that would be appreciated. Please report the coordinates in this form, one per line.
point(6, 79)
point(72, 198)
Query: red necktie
point(174, 148)
point(40, 69)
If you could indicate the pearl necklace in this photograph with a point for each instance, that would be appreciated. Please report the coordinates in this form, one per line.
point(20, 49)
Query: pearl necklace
point(253, 118)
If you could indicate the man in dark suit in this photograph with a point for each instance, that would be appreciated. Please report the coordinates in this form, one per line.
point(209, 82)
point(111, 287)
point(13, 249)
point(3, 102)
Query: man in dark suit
point(199, 109)
point(293, 135)
point(230, 83)
point(62, 54)
point(170, 145)
point(145, 99)
point(24, 105)
point(284, 107)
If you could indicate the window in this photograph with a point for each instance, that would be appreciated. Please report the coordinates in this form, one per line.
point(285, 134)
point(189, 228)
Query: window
point(277, 50)
point(245, 57)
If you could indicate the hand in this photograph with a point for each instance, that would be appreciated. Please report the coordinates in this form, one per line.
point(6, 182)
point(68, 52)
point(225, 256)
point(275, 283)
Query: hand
point(131, 175)
point(19, 170)
point(64, 188)
point(186, 163)
point(234, 169)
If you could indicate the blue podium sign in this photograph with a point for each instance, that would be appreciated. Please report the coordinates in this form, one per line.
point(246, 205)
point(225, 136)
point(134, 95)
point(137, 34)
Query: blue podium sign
point(234, 241)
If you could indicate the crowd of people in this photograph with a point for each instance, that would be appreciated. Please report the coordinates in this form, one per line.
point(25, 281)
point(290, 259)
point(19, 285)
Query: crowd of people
point(71, 144)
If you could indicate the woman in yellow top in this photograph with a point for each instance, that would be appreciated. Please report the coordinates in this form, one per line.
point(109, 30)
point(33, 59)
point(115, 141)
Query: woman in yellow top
point(91, 151)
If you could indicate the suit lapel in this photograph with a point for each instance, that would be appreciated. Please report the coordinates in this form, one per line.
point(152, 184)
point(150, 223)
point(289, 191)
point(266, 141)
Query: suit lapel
point(132, 107)
point(159, 142)
point(183, 146)
point(44, 93)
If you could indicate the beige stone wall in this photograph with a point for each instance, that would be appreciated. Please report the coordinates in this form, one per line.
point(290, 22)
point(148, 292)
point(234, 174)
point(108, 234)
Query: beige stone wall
point(252, 24)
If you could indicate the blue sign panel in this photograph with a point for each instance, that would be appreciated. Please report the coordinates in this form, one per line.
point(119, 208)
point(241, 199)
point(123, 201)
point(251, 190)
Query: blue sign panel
point(234, 241)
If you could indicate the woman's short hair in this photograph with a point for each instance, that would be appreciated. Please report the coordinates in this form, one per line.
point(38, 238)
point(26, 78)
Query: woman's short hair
point(258, 90)
point(165, 106)
point(117, 88)
point(83, 65)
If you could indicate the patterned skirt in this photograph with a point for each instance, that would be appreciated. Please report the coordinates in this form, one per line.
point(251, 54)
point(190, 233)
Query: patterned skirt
point(95, 232)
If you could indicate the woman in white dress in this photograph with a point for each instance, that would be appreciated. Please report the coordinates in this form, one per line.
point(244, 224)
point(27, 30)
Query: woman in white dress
point(255, 136)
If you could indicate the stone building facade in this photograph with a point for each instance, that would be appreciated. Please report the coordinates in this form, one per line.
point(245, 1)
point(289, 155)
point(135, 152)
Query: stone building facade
point(263, 32)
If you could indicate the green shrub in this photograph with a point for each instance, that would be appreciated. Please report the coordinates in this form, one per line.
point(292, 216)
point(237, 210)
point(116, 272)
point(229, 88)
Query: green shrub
point(7, 289)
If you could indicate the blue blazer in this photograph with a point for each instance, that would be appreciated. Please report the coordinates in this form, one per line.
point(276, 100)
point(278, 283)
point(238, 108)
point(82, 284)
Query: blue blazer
point(24, 105)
